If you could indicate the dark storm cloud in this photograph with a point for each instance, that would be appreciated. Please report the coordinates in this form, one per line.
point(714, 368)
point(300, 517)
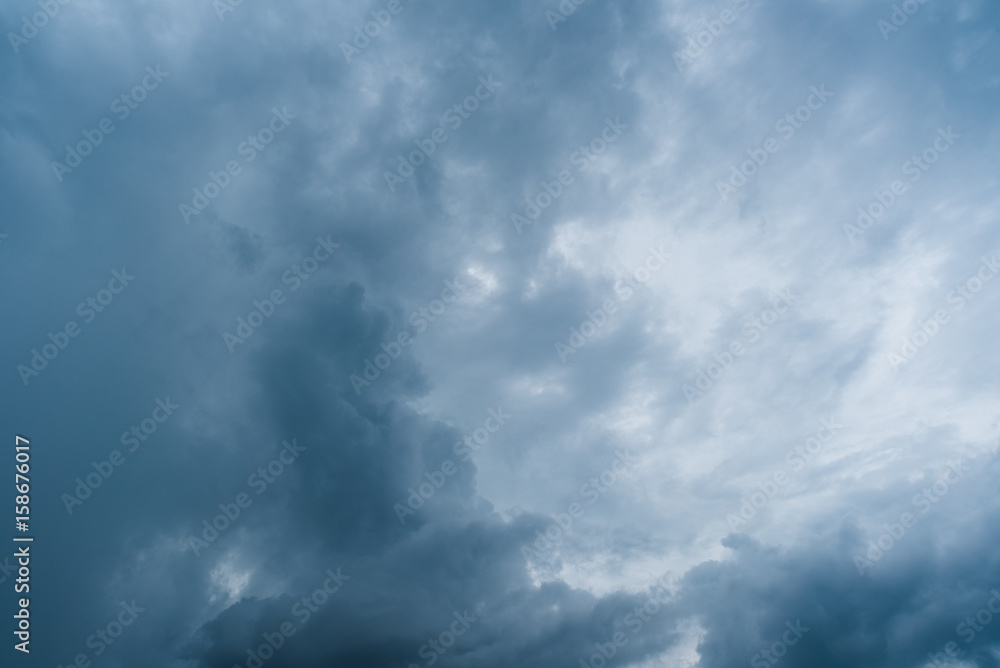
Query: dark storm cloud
point(457, 563)
point(915, 600)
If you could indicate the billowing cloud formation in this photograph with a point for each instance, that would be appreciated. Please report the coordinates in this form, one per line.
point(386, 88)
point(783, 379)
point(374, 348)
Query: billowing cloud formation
point(495, 334)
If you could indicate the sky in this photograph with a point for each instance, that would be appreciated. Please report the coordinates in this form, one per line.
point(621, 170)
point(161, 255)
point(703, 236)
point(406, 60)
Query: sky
point(491, 334)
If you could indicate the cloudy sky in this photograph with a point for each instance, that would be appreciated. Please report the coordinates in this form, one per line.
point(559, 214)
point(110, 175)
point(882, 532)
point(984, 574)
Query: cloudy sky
point(493, 334)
